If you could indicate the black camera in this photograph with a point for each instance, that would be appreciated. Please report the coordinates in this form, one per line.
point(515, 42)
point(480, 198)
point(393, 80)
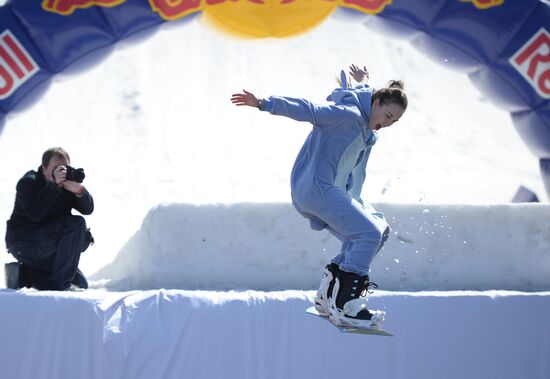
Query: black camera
point(75, 174)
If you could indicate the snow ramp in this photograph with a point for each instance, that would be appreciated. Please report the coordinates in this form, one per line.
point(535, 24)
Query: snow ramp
point(269, 246)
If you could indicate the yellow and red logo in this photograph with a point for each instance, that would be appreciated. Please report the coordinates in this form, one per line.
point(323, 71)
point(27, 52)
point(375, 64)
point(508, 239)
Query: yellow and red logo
point(485, 4)
point(365, 6)
point(251, 18)
point(67, 7)
point(266, 18)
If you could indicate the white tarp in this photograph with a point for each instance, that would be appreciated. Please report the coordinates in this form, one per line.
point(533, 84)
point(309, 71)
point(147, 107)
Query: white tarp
point(251, 335)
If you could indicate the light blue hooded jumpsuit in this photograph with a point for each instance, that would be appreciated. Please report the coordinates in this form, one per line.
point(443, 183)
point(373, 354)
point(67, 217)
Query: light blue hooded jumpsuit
point(329, 172)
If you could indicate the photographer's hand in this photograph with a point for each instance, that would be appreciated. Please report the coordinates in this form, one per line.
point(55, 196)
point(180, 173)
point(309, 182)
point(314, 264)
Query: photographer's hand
point(59, 175)
point(74, 187)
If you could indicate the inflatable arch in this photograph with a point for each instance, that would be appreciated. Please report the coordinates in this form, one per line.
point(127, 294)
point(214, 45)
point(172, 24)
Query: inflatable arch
point(502, 45)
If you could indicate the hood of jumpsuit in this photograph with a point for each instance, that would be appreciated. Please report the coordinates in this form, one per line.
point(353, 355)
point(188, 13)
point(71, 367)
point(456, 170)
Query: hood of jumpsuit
point(360, 97)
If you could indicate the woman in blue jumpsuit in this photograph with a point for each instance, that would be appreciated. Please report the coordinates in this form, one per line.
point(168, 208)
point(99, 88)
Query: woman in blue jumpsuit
point(326, 183)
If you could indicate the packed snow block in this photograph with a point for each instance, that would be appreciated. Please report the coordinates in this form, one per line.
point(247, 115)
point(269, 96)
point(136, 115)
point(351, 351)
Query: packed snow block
point(545, 172)
point(525, 195)
point(250, 335)
point(269, 246)
point(220, 247)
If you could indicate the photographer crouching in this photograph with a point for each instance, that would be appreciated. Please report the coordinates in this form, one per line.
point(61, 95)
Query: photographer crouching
point(42, 234)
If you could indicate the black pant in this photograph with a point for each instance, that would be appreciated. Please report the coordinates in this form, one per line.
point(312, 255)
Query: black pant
point(49, 257)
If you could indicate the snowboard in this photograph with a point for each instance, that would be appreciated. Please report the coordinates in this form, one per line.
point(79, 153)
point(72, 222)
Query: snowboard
point(350, 329)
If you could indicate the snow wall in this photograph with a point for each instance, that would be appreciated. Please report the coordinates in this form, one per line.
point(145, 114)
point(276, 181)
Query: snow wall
point(269, 246)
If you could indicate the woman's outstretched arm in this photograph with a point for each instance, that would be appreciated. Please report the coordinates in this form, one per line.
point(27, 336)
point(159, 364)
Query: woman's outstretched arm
point(297, 109)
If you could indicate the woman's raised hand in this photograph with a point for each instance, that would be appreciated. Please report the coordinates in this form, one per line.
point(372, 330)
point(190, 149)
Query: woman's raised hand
point(245, 98)
point(358, 74)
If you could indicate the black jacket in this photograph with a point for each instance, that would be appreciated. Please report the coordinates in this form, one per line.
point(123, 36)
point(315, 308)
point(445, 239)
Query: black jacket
point(38, 202)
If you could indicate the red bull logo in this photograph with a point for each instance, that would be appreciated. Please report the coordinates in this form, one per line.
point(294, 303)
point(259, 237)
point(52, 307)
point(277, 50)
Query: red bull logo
point(16, 64)
point(366, 6)
point(532, 60)
point(67, 7)
point(175, 9)
point(280, 18)
point(485, 4)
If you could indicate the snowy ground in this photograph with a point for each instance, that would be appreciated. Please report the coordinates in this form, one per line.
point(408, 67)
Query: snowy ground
point(153, 123)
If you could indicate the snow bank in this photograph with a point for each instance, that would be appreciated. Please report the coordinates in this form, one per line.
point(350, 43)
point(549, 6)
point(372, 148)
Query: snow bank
point(250, 335)
point(270, 247)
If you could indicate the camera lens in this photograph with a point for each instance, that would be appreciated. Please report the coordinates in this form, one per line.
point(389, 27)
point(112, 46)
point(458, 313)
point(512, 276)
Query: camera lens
point(78, 175)
point(75, 174)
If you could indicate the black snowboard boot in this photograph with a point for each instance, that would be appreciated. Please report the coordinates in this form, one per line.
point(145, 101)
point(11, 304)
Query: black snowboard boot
point(349, 304)
point(324, 293)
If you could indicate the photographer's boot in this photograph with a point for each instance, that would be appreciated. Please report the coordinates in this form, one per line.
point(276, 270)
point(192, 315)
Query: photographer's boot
point(88, 240)
point(11, 275)
point(79, 280)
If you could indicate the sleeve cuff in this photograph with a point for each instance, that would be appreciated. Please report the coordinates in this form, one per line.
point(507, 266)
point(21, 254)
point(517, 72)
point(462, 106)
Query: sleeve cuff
point(267, 105)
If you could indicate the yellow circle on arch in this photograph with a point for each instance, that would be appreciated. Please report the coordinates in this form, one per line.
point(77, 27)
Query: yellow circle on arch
point(270, 18)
